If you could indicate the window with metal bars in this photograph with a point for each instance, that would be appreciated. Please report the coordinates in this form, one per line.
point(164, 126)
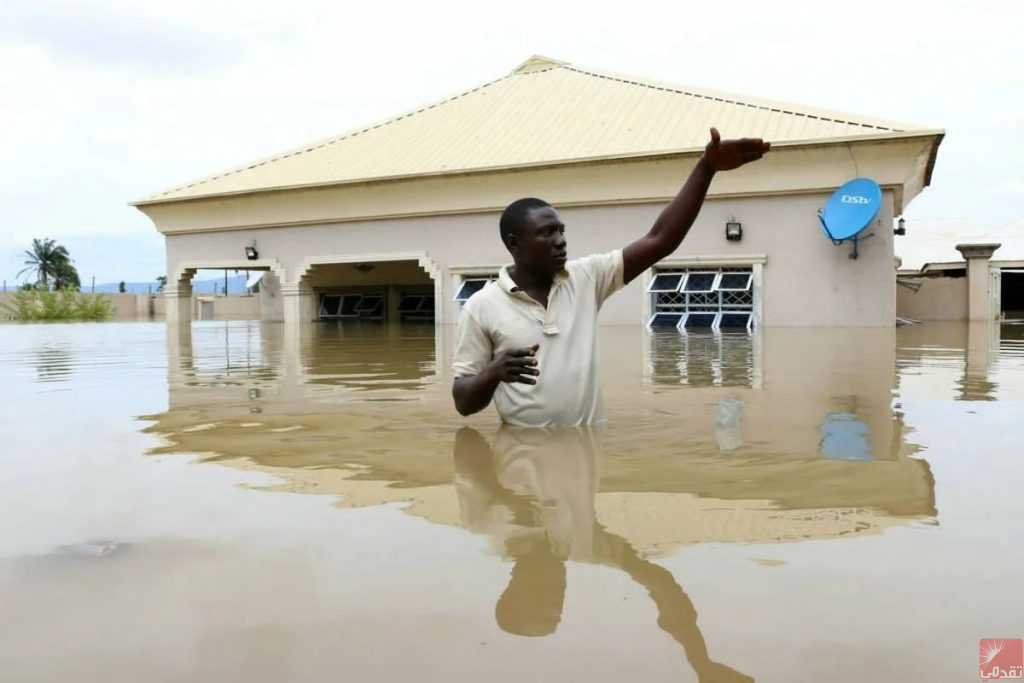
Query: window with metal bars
point(720, 299)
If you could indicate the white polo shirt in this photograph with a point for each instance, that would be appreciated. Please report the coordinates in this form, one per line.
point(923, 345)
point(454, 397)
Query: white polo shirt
point(501, 316)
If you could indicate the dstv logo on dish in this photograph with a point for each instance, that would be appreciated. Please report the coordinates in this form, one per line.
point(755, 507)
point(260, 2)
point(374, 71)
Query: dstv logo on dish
point(855, 199)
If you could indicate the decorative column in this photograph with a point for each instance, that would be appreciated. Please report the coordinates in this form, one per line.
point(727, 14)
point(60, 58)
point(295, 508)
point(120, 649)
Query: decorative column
point(179, 303)
point(299, 303)
point(979, 281)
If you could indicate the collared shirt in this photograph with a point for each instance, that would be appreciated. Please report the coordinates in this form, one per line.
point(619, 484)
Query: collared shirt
point(501, 317)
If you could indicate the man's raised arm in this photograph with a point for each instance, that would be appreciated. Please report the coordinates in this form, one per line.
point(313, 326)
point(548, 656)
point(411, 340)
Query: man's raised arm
point(675, 221)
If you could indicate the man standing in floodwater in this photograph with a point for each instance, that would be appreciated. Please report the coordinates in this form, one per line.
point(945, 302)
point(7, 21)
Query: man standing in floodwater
point(529, 340)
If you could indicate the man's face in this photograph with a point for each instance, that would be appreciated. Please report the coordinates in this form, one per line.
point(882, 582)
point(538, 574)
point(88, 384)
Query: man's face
point(540, 243)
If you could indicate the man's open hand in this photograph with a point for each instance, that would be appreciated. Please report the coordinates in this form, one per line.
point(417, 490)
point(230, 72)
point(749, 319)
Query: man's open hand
point(516, 365)
point(725, 155)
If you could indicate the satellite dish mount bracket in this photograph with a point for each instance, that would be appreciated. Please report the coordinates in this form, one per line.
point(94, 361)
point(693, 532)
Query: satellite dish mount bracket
point(855, 239)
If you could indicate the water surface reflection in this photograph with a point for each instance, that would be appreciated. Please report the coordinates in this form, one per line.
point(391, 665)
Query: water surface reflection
point(815, 493)
point(798, 430)
point(533, 494)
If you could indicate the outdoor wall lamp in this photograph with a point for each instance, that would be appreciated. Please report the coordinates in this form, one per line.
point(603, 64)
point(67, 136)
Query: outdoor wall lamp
point(251, 253)
point(901, 227)
point(733, 230)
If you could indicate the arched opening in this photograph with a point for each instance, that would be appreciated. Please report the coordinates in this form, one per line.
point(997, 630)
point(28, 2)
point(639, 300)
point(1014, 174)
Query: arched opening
point(239, 290)
point(372, 291)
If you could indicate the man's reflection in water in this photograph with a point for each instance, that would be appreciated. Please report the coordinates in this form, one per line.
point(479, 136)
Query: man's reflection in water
point(533, 493)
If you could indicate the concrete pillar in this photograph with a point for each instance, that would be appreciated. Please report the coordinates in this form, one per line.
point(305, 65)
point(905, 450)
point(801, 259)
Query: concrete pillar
point(271, 306)
point(979, 282)
point(393, 316)
point(179, 303)
point(299, 303)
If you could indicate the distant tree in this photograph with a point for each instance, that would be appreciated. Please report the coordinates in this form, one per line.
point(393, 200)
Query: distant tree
point(121, 287)
point(161, 282)
point(66, 277)
point(48, 259)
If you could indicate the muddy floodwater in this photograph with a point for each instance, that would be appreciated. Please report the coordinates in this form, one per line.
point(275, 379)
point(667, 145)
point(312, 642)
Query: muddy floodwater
point(234, 503)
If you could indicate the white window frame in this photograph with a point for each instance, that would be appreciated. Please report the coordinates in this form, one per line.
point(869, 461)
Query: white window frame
point(341, 305)
point(655, 276)
point(378, 298)
point(466, 280)
point(320, 309)
point(459, 274)
point(750, 319)
point(686, 280)
point(650, 321)
point(755, 262)
point(720, 288)
point(681, 326)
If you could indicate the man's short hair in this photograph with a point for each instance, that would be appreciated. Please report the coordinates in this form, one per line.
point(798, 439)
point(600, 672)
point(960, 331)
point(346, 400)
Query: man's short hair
point(514, 215)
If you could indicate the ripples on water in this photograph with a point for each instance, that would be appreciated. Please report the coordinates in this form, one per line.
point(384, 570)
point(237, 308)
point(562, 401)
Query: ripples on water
point(719, 450)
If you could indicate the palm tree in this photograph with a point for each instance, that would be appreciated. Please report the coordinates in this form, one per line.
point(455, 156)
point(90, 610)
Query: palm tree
point(48, 259)
point(66, 277)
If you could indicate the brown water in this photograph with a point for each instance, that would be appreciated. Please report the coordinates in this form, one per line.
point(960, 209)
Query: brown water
point(236, 504)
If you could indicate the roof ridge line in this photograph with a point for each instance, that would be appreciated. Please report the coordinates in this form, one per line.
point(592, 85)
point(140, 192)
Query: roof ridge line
point(337, 138)
point(680, 90)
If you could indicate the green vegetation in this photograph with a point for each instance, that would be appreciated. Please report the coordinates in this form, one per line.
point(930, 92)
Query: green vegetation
point(55, 295)
point(40, 304)
point(52, 265)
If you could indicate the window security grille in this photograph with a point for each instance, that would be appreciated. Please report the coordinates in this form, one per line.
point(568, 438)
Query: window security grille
point(720, 299)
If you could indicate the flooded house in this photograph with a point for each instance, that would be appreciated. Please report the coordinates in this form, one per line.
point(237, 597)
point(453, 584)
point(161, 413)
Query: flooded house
point(398, 221)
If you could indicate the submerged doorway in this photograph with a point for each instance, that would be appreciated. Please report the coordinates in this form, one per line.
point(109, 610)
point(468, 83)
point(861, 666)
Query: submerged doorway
point(373, 291)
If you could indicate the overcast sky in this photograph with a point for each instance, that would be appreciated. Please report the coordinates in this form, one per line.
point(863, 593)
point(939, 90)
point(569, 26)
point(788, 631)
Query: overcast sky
point(105, 101)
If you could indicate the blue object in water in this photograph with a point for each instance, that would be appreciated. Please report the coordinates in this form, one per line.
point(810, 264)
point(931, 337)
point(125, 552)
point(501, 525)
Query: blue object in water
point(844, 437)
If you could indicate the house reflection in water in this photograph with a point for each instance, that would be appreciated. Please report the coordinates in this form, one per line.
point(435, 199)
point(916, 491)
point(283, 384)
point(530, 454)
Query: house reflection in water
point(817, 448)
point(363, 413)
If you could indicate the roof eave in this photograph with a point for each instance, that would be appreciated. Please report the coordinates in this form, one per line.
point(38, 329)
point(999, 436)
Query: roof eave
point(937, 134)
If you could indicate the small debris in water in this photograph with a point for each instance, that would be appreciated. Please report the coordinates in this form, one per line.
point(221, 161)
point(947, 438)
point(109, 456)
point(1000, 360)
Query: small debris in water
point(91, 548)
point(765, 562)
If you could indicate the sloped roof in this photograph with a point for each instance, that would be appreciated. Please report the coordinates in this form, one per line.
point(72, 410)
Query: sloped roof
point(544, 112)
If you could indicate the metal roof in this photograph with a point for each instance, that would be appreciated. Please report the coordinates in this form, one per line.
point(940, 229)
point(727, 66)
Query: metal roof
point(544, 112)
